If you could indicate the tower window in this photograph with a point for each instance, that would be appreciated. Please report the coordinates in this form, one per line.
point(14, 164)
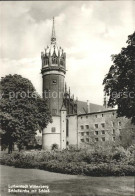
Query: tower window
point(46, 61)
point(61, 62)
point(53, 129)
point(67, 128)
point(54, 61)
point(54, 81)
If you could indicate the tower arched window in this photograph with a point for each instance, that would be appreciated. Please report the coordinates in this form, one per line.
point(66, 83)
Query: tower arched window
point(54, 60)
point(61, 62)
point(46, 61)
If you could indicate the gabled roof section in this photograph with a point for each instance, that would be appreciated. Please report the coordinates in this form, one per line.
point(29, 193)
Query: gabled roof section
point(82, 107)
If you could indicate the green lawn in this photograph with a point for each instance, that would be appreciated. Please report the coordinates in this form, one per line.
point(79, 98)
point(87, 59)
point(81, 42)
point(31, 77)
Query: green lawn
point(66, 185)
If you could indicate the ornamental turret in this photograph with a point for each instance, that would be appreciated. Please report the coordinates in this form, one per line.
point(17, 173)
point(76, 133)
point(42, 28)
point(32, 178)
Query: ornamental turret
point(53, 57)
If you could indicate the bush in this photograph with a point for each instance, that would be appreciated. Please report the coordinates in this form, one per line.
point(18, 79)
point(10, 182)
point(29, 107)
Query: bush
point(92, 163)
point(55, 147)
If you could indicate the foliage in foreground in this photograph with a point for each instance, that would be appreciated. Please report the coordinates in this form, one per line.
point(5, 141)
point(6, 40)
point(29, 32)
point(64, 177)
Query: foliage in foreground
point(118, 162)
point(22, 111)
point(119, 83)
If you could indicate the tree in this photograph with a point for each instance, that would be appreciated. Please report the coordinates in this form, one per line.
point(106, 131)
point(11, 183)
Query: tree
point(22, 111)
point(119, 83)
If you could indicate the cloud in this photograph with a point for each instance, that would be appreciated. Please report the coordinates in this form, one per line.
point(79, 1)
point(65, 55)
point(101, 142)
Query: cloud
point(89, 32)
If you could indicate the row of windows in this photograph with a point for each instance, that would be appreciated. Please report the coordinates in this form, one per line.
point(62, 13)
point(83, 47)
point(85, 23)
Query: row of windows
point(82, 133)
point(97, 125)
point(54, 61)
point(96, 133)
point(103, 139)
point(98, 115)
point(86, 126)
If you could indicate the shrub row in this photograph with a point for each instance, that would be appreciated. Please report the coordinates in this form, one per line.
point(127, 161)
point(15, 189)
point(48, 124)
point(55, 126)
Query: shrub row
point(97, 163)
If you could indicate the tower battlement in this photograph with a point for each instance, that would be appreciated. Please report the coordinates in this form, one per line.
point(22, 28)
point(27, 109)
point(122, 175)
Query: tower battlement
point(53, 58)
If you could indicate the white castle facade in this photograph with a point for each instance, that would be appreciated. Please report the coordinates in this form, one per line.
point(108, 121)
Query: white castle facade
point(75, 123)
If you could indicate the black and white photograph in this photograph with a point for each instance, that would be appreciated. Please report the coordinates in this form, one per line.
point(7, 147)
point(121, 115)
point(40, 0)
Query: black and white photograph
point(67, 98)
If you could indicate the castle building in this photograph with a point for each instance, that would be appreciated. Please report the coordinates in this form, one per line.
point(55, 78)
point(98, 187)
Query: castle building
point(75, 122)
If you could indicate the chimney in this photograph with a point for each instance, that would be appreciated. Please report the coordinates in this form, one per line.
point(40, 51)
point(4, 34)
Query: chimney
point(88, 106)
point(105, 101)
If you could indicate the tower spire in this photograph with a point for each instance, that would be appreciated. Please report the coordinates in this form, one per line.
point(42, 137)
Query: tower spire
point(53, 37)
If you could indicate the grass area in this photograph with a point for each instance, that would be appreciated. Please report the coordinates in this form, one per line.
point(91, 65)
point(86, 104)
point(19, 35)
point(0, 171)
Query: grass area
point(66, 185)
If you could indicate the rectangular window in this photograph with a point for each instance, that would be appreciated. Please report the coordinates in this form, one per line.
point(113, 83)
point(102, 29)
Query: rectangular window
point(96, 139)
point(113, 124)
point(87, 139)
point(53, 129)
point(86, 116)
point(102, 115)
point(82, 140)
point(119, 123)
point(96, 125)
point(103, 125)
point(54, 112)
point(87, 133)
point(103, 132)
point(82, 133)
point(96, 116)
point(82, 127)
point(113, 131)
point(87, 126)
point(96, 132)
point(54, 81)
point(103, 139)
point(67, 128)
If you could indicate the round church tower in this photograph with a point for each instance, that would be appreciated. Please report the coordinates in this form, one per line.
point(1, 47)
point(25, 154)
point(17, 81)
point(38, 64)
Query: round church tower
point(53, 74)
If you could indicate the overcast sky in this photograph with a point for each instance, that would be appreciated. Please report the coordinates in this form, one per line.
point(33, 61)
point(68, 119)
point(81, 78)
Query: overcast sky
point(88, 31)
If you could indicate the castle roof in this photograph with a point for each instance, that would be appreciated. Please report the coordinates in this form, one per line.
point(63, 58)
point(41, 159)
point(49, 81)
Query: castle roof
point(82, 107)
